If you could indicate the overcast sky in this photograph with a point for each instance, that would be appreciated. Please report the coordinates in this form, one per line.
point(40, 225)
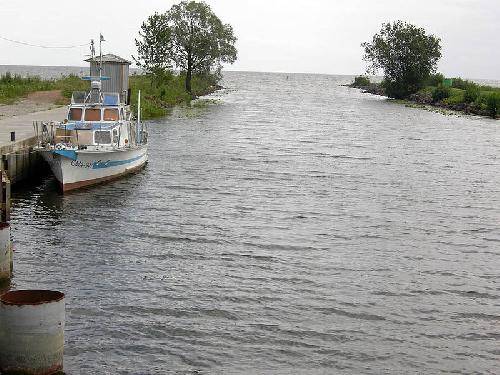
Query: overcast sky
point(313, 36)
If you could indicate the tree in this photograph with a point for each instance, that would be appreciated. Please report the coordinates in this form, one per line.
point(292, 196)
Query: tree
point(189, 37)
point(154, 46)
point(406, 54)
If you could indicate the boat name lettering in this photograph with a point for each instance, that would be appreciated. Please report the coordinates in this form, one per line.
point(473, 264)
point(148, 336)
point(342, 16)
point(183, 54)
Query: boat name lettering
point(81, 164)
point(90, 164)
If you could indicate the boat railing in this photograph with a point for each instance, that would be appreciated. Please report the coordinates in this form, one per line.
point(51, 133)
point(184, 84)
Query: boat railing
point(45, 131)
point(78, 97)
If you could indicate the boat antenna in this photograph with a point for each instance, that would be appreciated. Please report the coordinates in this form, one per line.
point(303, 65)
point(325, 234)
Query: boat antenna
point(101, 39)
point(92, 49)
point(137, 135)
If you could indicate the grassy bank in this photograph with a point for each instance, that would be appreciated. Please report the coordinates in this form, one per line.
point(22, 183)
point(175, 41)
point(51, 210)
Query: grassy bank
point(159, 93)
point(457, 95)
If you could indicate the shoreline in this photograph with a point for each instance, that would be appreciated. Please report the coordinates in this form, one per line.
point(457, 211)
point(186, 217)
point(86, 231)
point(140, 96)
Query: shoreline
point(20, 96)
point(418, 100)
point(43, 101)
point(161, 94)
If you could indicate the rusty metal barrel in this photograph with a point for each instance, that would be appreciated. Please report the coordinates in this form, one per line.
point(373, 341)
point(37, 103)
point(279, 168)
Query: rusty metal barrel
point(5, 253)
point(31, 332)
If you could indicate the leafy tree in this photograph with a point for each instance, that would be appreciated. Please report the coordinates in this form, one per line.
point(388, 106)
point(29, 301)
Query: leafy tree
point(406, 54)
point(435, 80)
point(189, 37)
point(154, 47)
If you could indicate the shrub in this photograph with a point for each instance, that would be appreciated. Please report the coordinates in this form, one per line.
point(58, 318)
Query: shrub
point(398, 89)
point(435, 80)
point(70, 83)
point(15, 86)
point(456, 96)
point(361, 81)
point(440, 93)
point(460, 83)
point(471, 93)
point(163, 90)
point(481, 100)
point(493, 104)
point(161, 77)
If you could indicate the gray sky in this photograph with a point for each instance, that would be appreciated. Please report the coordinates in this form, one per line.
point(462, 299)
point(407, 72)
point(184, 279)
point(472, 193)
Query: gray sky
point(313, 36)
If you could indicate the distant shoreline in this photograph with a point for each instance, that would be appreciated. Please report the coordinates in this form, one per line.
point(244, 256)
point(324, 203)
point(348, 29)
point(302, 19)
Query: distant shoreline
point(63, 69)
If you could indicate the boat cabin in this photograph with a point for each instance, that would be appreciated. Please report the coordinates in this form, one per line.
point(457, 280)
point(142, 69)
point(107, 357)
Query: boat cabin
point(99, 123)
point(95, 114)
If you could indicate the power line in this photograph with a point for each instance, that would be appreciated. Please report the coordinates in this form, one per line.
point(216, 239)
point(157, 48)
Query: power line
point(42, 46)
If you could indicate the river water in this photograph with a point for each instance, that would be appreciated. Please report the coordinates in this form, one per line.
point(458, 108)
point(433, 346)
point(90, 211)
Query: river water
point(291, 225)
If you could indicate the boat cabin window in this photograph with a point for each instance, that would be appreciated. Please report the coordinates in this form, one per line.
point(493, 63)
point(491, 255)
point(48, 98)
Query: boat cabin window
point(110, 114)
point(102, 137)
point(75, 114)
point(92, 114)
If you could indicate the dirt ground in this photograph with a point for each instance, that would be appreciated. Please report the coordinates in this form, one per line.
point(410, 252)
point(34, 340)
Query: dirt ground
point(34, 102)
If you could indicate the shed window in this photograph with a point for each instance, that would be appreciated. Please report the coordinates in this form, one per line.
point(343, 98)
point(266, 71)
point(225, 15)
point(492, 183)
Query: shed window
point(102, 137)
point(110, 114)
point(92, 114)
point(75, 114)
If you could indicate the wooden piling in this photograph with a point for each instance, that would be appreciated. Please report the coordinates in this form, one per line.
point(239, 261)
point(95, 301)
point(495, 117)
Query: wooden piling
point(5, 253)
point(4, 197)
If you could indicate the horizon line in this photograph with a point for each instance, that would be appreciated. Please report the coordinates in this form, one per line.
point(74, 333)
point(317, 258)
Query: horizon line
point(260, 71)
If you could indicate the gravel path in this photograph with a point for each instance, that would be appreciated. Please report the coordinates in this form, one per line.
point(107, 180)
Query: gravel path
point(34, 102)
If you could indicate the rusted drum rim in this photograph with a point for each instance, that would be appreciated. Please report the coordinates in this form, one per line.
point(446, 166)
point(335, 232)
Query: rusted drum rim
point(31, 297)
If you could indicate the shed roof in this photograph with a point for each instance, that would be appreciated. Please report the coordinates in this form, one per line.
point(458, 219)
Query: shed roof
point(109, 58)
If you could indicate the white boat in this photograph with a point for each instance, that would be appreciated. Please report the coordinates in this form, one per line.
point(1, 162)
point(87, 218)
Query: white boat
point(98, 141)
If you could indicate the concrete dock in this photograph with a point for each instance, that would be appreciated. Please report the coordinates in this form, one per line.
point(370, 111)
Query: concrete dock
point(22, 125)
point(18, 162)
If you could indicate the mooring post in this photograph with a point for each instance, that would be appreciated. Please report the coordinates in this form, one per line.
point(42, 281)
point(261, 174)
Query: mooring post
point(32, 332)
point(6, 263)
point(4, 197)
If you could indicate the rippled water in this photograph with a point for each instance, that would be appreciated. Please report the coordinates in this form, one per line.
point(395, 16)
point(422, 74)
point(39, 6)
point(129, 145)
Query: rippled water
point(294, 226)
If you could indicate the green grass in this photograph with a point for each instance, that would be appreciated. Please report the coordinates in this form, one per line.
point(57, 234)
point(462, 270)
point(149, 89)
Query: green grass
point(462, 95)
point(479, 99)
point(456, 96)
point(70, 83)
point(160, 93)
point(14, 87)
point(157, 95)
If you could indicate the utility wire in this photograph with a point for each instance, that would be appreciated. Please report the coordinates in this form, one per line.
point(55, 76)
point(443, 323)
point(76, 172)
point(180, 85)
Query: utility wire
point(42, 46)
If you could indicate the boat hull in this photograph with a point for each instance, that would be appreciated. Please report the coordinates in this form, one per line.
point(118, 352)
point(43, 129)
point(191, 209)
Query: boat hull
point(84, 168)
